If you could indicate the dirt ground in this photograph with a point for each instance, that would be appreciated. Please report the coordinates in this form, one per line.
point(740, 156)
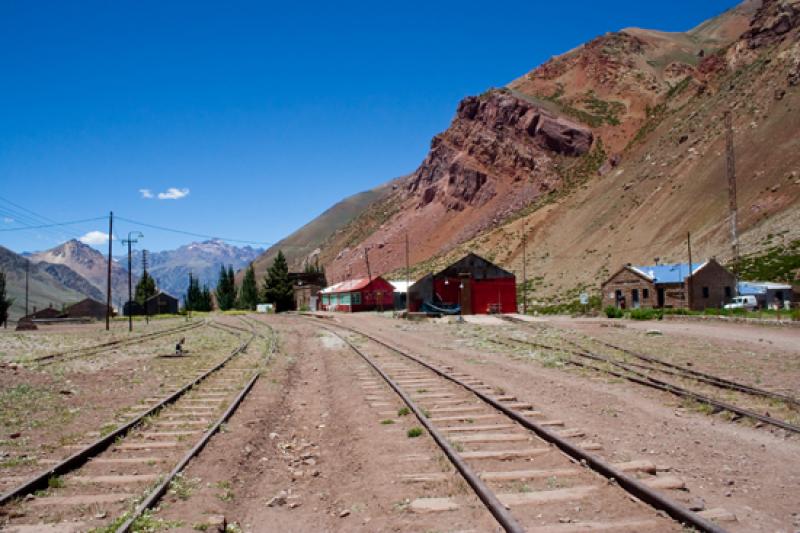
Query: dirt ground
point(305, 452)
point(319, 444)
point(46, 411)
point(752, 472)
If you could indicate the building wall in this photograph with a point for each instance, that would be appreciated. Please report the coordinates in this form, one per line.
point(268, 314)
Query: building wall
point(378, 295)
point(494, 295)
point(626, 281)
point(709, 287)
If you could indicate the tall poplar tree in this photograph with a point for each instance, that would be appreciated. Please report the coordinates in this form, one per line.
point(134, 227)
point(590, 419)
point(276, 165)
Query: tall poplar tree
point(5, 301)
point(226, 289)
point(277, 287)
point(248, 293)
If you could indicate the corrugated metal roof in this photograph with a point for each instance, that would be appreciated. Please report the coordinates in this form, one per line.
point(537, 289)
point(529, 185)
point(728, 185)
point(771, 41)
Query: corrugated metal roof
point(400, 286)
point(761, 287)
point(349, 285)
point(674, 273)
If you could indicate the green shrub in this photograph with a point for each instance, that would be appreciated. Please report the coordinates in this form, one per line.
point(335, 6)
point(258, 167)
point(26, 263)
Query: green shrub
point(796, 315)
point(613, 312)
point(646, 314)
point(414, 432)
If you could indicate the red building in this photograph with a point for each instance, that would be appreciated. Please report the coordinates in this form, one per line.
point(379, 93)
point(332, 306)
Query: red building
point(358, 295)
point(471, 286)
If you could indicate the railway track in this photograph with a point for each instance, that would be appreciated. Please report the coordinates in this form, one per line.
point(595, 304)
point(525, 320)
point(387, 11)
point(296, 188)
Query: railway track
point(86, 351)
point(529, 474)
point(109, 484)
point(642, 374)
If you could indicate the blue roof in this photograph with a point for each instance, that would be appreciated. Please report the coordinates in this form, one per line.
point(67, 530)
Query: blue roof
point(674, 273)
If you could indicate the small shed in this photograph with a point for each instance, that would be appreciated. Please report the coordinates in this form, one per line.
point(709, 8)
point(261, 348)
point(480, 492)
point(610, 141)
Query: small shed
point(400, 293)
point(354, 295)
point(44, 314)
point(161, 304)
point(667, 286)
point(471, 285)
point(132, 308)
point(767, 293)
point(87, 308)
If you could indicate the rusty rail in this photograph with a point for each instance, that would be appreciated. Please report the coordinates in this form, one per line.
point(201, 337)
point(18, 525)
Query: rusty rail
point(628, 483)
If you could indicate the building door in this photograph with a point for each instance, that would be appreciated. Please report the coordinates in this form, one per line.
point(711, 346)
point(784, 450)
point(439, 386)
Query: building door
point(465, 294)
point(635, 299)
point(660, 296)
point(620, 299)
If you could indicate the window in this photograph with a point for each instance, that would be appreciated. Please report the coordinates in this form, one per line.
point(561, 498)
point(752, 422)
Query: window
point(645, 294)
point(356, 298)
point(706, 292)
point(728, 292)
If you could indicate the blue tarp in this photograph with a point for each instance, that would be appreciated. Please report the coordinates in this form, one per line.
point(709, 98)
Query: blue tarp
point(442, 309)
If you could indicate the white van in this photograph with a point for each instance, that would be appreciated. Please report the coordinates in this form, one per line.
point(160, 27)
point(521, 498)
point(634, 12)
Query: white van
point(743, 302)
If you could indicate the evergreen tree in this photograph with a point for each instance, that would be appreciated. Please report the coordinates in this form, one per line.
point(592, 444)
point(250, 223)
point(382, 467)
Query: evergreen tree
point(248, 294)
point(277, 288)
point(145, 288)
point(5, 301)
point(193, 294)
point(226, 289)
point(206, 303)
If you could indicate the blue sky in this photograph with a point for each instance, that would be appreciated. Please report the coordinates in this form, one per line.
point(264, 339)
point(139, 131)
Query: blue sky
point(263, 114)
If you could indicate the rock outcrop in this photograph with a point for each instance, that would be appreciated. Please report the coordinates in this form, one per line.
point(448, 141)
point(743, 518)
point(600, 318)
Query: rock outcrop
point(772, 22)
point(496, 137)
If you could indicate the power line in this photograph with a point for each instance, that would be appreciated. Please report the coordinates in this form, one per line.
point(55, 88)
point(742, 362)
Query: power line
point(55, 224)
point(193, 234)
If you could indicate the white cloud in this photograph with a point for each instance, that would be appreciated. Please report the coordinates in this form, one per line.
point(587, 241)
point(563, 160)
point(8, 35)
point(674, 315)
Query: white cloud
point(94, 237)
point(146, 193)
point(8, 220)
point(173, 194)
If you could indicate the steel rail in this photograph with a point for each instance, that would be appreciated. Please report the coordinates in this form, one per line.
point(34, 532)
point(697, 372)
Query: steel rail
point(486, 495)
point(628, 483)
point(156, 494)
point(696, 375)
point(687, 372)
point(89, 350)
point(162, 487)
point(649, 381)
point(76, 460)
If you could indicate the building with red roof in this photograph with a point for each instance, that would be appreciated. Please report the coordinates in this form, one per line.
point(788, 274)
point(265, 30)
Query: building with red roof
point(354, 295)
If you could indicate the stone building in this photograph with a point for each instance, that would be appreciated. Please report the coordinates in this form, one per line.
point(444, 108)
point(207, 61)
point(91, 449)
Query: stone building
point(667, 286)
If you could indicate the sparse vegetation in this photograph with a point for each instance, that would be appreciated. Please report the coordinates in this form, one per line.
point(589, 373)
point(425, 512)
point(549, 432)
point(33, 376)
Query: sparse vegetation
point(387, 421)
point(414, 432)
point(614, 312)
point(403, 411)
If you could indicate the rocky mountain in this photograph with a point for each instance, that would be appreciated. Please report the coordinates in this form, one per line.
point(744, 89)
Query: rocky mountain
point(171, 268)
point(89, 264)
point(47, 284)
point(610, 153)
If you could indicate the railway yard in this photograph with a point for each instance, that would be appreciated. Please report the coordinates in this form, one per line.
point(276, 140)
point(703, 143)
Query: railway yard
point(364, 422)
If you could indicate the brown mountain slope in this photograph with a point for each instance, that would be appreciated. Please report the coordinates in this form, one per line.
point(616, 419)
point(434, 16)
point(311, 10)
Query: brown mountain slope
point(46, 284)
point(651, 106)
point(91, 265)
point(306, 243)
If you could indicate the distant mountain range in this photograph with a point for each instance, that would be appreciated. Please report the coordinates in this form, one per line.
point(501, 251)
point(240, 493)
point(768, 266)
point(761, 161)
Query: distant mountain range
point(49, 284)
point(171, 268)
point(89, 264)
point(73, 271)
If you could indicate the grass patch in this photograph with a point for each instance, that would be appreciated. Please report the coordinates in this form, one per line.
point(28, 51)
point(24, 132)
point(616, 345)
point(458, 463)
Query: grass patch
point(182, 487)
point(403, 411)
point(414, 432)
point(387, 421)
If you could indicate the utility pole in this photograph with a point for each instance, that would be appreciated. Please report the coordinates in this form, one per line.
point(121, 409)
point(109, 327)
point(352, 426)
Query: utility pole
point(108, 292)
point(690, 284)
point(366, 258)
point(731, 172)
point(524, 272)
point(130, 241)
point(144, 273)
point(27, 271)
point(408, 280)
